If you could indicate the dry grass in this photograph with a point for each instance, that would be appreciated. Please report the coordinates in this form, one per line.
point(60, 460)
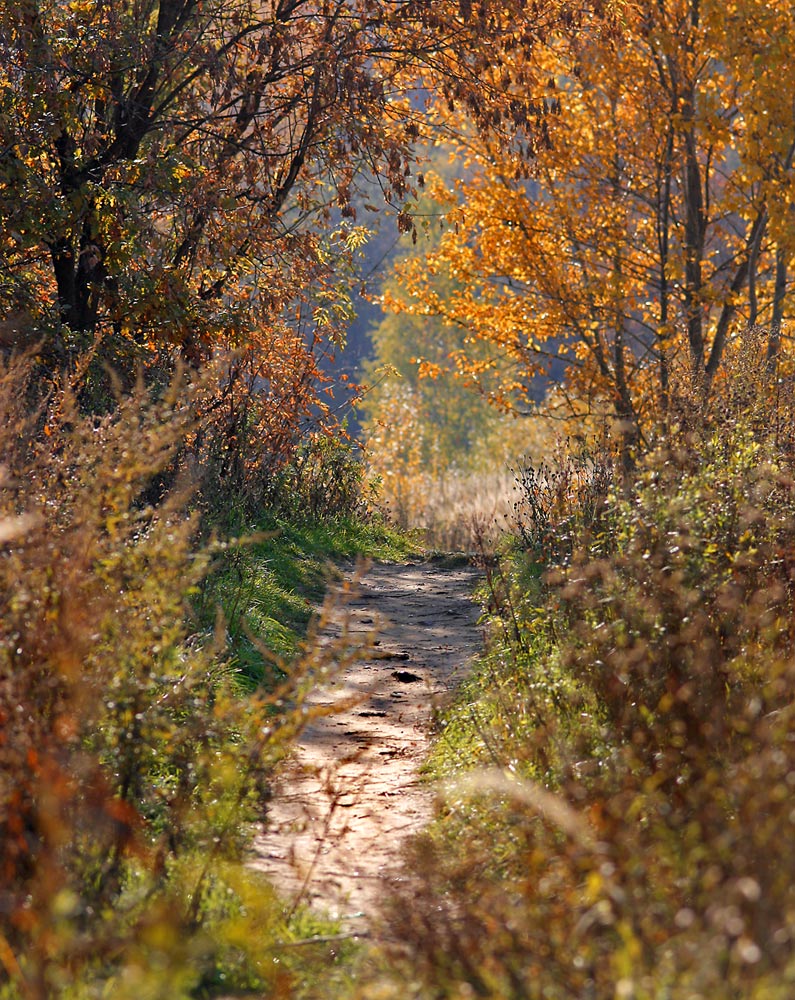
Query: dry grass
point(455, 511)
point(635, 839)
point(459, 506)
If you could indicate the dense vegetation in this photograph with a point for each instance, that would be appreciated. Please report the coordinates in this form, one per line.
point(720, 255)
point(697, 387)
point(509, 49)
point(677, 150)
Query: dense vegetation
point(179, 189)
point(618, 815)
point(149, 684)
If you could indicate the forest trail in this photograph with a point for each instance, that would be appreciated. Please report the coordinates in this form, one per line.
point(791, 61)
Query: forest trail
point(351, 794)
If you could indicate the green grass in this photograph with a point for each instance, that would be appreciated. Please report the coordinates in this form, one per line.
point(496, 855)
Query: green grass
point(268, 589)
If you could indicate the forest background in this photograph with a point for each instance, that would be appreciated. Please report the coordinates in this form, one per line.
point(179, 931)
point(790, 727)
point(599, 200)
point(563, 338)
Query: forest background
point(185, 188)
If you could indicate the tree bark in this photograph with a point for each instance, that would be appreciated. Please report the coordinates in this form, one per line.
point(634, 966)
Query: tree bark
point(779, 291)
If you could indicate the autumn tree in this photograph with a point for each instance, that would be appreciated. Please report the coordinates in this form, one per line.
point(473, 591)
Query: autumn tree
point(641, 220)
point(454, 422)
point(160, 158)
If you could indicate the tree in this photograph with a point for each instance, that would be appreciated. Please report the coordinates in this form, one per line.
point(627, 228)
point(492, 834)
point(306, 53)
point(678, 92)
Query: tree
point(632, 227)
point(159, 158)
point(178, 175)
point(455, 423)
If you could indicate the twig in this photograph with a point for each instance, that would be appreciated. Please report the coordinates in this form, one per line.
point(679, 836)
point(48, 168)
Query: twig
point(321, 939)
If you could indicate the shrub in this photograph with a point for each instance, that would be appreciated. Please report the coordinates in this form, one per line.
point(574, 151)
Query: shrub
point(129, 767)
point(260, 422)
point(325, 478)
point(562, 501)
point(634, 840)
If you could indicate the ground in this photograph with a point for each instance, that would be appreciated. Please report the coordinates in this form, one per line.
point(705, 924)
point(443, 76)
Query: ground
point(351, 793)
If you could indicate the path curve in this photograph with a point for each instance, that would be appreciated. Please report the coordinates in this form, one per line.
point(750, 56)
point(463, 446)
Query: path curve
point(350, 793)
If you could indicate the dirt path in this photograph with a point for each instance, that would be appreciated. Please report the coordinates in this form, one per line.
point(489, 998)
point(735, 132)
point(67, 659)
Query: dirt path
point(351, 794)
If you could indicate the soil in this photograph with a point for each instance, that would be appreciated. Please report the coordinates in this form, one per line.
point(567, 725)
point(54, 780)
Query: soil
point(351, 793)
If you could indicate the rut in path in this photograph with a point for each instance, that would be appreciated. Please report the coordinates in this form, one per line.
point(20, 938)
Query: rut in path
point(350, 793)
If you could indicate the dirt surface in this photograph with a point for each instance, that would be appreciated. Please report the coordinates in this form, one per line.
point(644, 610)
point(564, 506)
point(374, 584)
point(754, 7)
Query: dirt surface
point(350, 794)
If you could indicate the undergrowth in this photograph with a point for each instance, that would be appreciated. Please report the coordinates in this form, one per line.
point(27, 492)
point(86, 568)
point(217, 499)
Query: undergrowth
point(132, 765)
point(615, 778)
point(615, 816)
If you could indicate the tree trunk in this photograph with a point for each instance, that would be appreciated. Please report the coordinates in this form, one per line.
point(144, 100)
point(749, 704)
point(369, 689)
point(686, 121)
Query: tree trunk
point(695, 226)
point(779, 291)
point(663, 242)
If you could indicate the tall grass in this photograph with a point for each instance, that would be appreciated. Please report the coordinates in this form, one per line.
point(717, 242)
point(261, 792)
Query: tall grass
point(130, 764)
point(454, 511)
point(617, 819)
point(453, 505)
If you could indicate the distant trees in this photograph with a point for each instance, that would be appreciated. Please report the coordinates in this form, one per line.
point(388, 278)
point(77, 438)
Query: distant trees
point(455, 424)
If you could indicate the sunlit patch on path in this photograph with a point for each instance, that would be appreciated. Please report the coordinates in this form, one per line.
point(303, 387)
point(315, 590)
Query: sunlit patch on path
point(351, 793)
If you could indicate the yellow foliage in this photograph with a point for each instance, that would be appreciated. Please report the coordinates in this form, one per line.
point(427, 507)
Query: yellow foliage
point(639, 219)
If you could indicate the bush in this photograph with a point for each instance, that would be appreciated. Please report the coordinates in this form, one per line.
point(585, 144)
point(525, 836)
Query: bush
point(263, 430)
point(129, 767)
point(325, 478)
point(628, 832)
point(561, 501)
